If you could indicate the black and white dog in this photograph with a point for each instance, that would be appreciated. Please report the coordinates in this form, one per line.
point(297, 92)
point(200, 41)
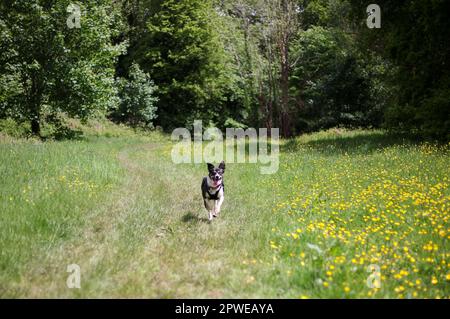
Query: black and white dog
point(213, 189)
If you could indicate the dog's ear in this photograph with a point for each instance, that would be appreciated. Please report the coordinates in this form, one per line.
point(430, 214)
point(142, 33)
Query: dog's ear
point(210, 167)
point(222, 165)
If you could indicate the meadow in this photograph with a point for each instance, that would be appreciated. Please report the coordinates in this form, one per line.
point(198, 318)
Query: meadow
point(113, 203)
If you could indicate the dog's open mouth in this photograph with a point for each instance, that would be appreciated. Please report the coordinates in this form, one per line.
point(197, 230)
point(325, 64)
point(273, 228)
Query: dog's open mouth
point(217, 183)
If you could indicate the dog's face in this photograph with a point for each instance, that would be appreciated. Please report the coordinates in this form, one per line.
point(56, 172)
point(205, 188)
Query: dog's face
point(216, 174)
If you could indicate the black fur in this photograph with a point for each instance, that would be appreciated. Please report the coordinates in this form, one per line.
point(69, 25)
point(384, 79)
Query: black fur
point(215, 174)
point(205, 190)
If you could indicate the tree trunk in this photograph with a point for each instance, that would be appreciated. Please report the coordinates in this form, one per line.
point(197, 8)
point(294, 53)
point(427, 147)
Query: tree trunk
point(286, 26)
point(34, 100)
point(36, 126)
point(285, 70)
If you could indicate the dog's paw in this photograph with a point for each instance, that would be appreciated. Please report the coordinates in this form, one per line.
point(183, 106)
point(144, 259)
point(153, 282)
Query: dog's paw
point(210, 216)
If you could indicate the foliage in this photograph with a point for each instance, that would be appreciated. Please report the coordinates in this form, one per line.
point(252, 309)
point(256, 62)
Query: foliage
point(334, 84)
point(331, 80)
point(414, 35)
point(182, 52)
point(51, 67)
point(137, 101)
point(12, 128)
point(243, 40)
point(299, 65)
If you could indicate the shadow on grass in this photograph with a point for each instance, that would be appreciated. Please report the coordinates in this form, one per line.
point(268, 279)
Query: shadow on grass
point(361, 143)
point(192, 218)
point(63, 133)
point(66, 133)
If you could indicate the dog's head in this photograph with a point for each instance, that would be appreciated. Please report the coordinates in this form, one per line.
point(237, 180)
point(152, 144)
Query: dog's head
point(216, 174)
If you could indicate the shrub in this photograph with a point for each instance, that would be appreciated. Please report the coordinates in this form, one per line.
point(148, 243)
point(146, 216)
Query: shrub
point(14, 128)
point(137, 100)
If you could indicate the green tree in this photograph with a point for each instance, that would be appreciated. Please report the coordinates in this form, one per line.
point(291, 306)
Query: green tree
point(241, 35)
point(57, 68)
point(182, 52)
point(264, 33)
point(137, 100)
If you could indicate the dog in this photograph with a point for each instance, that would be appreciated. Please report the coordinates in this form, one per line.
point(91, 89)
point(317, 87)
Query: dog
point(213, 189)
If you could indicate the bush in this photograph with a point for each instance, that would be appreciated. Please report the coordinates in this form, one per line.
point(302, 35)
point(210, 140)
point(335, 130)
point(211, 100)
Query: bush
point(232, 123)
point(137, 100)
point(14, 128)
point(434, 114)
point(430, 117)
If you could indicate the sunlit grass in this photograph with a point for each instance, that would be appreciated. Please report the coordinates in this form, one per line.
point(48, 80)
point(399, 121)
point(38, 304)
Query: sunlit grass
point(45, 190)
point(348, 205)
point(135, 223)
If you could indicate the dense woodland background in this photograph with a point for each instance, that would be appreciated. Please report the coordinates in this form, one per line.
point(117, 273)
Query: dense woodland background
point(297, 65)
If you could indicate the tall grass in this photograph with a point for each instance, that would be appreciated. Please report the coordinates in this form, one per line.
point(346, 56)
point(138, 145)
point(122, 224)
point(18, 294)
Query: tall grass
point(354, 202)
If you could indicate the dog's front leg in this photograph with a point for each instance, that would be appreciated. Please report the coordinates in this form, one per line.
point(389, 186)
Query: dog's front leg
point(210, 207)
point(217, 206)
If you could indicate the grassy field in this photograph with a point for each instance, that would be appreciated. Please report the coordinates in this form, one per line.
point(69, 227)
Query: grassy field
point(134, 222)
